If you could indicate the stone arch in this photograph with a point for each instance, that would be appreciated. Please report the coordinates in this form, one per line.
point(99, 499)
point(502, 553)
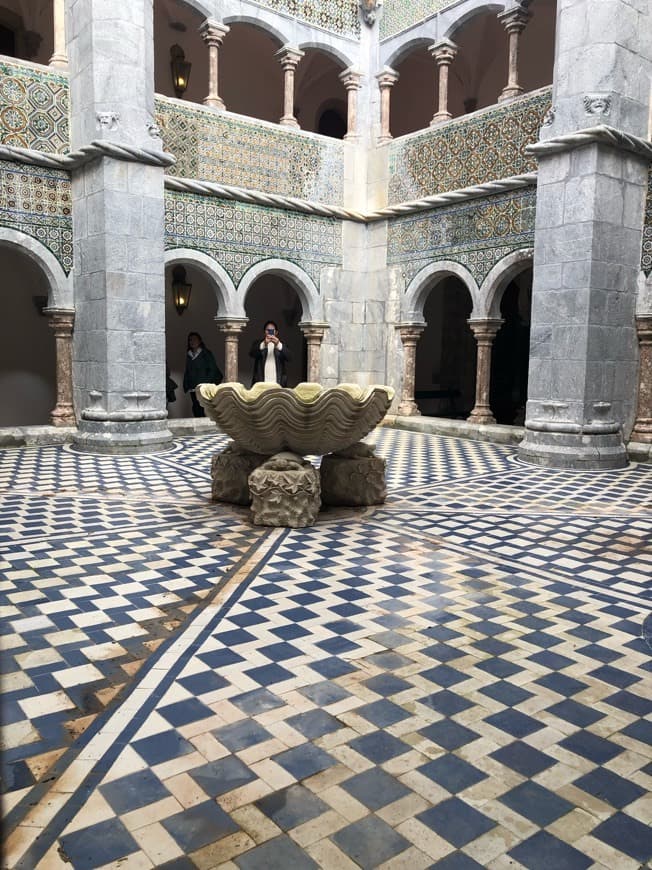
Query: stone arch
point(422, 283)
point(200, 8)
point(265, 22)
point(227, 299)
point(307, 292)
point(61, 294)
point(498, 279)
point(454, 19)
point(404, 49)
point(342, 59)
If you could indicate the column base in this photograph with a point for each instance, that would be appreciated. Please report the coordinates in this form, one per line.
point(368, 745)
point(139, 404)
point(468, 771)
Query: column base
point(573, 451)
point(63, 415)
point(59, 61)
point(481, 418)
point(642, 431)
point(148, 436)
point(408, 409)
point(440, 118)
point(215, 103)
point(509, 94)
point(289, 121)
point(387, 137)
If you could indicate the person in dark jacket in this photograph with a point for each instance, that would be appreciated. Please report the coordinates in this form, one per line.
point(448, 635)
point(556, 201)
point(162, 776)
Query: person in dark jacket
point(270, 357)
point(201, 368)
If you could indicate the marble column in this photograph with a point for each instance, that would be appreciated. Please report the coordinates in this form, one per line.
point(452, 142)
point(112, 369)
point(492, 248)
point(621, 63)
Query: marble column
point(642, 431)
point(351, 81)
point(61, 321)
point(59, 57)
point(514, 21)
point(213, 32)
point(314, 334)
point(410, 334)
point(289, 58)
point(444, 52)
point(484, 332)
point(386, 81)
point(231, 327)
point(118, 226)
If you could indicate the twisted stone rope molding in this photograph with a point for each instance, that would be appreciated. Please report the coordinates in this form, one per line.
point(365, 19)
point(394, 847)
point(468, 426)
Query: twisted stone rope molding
point(602, 134)
point(75, 159)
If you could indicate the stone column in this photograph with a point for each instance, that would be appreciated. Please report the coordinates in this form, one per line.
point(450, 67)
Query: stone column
point(231, 327)
point(514, 21)
point(61, 321)
point(59, 57)
point(351, 81)
point(642, 431)
point(314, 334)
point(118, 225)
point(386, 81)
point(591, 187)
point(213, 32)
point(484, 332)
point(444, 52)
point(410, 334)
point(289, 58)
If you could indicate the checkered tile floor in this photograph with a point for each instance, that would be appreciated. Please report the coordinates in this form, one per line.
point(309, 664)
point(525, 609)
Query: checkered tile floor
point(458, 679)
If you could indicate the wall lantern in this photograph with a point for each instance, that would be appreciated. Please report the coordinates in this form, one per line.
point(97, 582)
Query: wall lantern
point(180, 289)
point(180, 70)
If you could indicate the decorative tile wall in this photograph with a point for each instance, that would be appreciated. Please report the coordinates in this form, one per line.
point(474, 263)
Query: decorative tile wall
point(338, 16)
point(397, 15)
point(33, 108)
point(467, 151)
point(475, 234)
point(215, 147)
point(238, 235)
point(38, 202)
point(646, 254)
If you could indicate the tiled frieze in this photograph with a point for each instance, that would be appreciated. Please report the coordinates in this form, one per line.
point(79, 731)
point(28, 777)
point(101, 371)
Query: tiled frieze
point(338, 16)
point(212, 146)
point(483, 147)
point(476, 234)
point(238, 235)
point(398, 15)
point(37, 202)
point(33, 108)
point(646, 256)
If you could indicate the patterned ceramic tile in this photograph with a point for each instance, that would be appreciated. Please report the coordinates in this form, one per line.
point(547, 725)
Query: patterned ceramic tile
point(239, 235)
point(338, 16)
point(33, 108)
point(398, 15)
point(37, 202)
point(467, 151)
point(476, 233)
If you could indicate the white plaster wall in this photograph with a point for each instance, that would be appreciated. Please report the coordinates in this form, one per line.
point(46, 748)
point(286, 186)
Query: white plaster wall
point(27, 352)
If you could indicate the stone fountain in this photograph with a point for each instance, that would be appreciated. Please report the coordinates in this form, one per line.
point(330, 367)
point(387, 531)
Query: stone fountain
point(274, 428)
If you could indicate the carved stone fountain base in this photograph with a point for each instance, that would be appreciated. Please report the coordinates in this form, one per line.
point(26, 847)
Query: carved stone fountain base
point(353, 477)
point(285, 491)
point(230, 470)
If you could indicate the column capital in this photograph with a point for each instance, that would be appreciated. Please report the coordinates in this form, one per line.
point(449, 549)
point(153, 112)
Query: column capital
point(289, 56)
point(351, 78)
point(514, 19)
point(410, 332)
point(60, 317)
point(485, 328)
point(313, 329)
point(444, 51)
point(233, 325)
point(213, 32)
point(387, 77)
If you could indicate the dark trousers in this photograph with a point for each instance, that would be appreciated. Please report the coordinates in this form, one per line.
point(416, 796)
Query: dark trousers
point(197, 410)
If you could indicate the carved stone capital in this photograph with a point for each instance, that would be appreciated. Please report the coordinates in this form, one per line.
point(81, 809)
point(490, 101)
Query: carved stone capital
point(313, 331)
point(61, 320)
point(485, 330)
point(213, 32)
point(351, 79)
point(444, 52)
point(387, 78)
point(231, 325)
point(289, 57)
point(410, 332)
point(514, 20)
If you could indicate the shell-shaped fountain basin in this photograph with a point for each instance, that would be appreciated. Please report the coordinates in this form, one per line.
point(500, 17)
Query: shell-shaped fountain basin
point(308, 419)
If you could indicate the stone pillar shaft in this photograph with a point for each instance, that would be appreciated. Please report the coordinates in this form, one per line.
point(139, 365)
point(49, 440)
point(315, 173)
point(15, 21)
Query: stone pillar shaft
point(61, 321)
point(231, 329)
point(386, 81)
point(444, 53)
point(213, 32)
point(351, 81)
point(514, 21)
point(642, 431)
point(410, 334)
point(59, 57)
point(314, 334)
point(289, 58)
point(485, 333)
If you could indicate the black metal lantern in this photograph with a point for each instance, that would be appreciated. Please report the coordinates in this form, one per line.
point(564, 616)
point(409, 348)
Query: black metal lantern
point(180, 70)
point(181, 289)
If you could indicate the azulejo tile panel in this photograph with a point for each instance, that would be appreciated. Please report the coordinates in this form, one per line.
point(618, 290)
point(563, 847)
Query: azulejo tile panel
point(398, 15)
point(476, 234)
point(468, 151)
point(33, 108)
point(239, 235)
point(339, 16)
point(215, 147)
point(646, 254)
point(37, 202)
